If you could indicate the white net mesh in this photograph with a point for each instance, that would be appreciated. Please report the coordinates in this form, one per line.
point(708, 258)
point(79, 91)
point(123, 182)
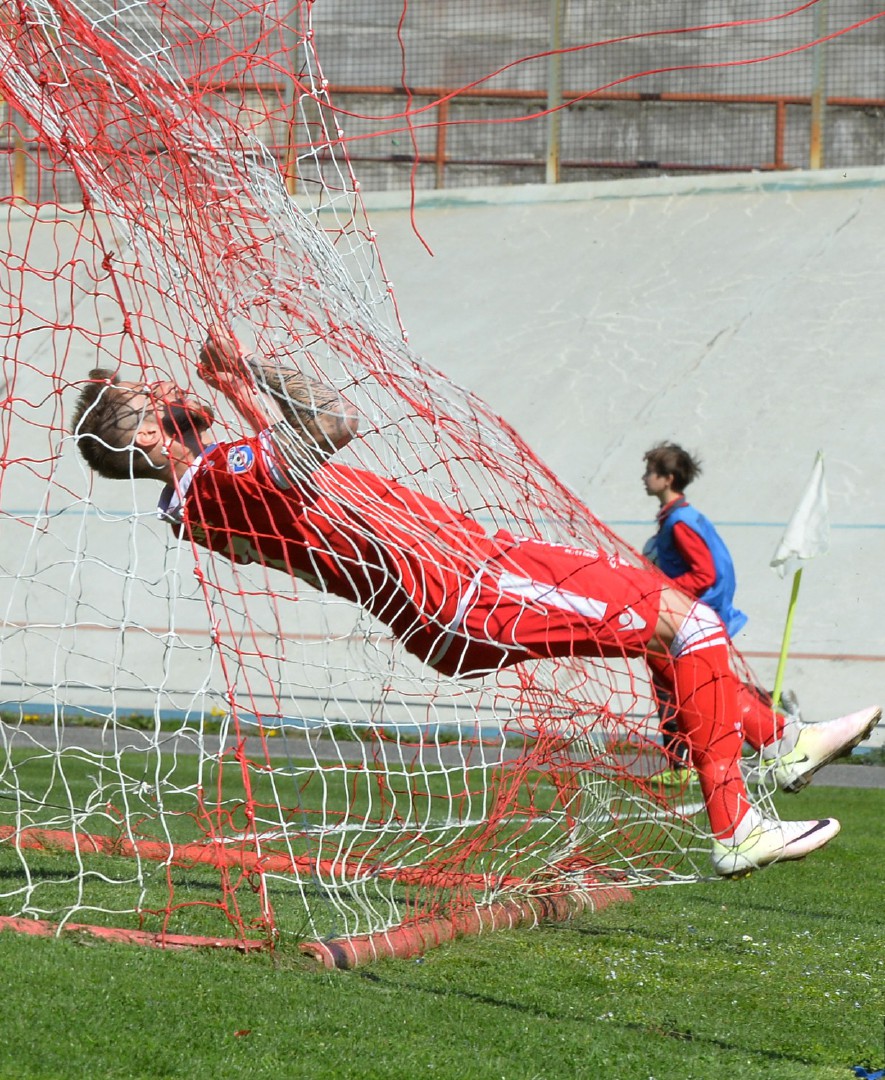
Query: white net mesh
point(200, 748)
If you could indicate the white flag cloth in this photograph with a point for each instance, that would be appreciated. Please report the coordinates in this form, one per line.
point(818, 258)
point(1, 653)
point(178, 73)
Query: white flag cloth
point(808, 533)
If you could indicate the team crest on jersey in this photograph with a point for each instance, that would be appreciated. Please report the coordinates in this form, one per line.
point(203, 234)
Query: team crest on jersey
point(240, 459)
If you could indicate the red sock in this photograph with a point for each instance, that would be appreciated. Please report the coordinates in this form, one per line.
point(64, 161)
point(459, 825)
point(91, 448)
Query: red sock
point(761, 724)
point(710, 715)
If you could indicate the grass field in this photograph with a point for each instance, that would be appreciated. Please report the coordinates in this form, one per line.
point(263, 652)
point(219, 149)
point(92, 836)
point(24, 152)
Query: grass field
point(781, 975)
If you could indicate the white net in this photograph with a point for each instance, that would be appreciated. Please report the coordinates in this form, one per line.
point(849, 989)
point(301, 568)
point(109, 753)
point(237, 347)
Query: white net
point(193, 747)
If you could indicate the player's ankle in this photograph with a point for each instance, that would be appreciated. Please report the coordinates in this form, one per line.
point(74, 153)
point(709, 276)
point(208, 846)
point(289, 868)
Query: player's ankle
point(737, 833)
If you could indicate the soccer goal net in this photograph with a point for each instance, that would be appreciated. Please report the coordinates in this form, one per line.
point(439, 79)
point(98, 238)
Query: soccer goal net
point(195, 751)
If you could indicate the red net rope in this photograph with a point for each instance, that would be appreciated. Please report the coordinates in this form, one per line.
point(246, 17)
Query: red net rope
point(215, 750)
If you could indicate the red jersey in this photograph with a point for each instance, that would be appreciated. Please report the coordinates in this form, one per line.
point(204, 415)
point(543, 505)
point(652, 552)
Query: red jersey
point(400, 555)
point(463, 601)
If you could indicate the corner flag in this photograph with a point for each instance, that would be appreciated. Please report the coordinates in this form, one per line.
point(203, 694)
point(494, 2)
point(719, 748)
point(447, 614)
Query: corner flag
point(808, 532)
point(807, 535)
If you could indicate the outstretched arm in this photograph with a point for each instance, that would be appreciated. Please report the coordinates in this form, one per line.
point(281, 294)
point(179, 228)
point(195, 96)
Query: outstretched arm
point(318, 421)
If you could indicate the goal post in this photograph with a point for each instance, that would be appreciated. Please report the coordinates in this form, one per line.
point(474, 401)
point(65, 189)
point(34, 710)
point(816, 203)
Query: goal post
point(199, 751)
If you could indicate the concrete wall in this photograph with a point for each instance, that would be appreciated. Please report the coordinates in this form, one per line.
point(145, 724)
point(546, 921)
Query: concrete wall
point(651, 48)
point(741, 317)
point(452, 42)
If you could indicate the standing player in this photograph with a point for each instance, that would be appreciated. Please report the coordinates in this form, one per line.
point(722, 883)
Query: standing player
point(466, 602)
point(689, 550)
point(686, 546)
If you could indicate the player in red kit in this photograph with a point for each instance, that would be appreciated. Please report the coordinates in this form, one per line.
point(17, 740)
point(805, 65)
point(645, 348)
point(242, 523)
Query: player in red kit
point(464, 601)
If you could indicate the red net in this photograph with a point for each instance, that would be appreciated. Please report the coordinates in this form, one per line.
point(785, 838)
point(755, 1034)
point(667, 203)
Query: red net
point(214, 751)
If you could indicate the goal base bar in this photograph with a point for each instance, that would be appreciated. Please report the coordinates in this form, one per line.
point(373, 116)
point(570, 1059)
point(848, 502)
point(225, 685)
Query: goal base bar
point(401, 942)
point(416, 938)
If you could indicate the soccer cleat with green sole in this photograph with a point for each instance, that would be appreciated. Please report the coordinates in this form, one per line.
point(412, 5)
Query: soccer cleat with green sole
point(677, 778)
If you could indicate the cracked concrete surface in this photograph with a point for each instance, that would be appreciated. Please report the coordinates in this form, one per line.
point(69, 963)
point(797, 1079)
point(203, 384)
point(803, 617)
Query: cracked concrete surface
point(741, 316)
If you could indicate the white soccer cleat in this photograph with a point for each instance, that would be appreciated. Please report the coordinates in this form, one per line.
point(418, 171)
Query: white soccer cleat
point(815, 745)
point(763, 841)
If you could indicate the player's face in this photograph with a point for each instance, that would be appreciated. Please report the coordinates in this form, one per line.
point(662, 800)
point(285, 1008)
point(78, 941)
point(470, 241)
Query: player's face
point(654, 482)
point(179, 414)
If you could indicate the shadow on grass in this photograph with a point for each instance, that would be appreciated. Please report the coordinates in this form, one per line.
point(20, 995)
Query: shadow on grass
point(13, 874)
point(632, 1027)
point(801, 914)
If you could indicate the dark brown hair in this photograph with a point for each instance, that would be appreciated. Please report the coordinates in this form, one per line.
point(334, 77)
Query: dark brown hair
point(105, 424)
point(669, 459)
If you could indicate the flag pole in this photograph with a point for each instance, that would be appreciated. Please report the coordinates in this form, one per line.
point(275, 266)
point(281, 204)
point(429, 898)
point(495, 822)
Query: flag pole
point(807, 535)
point(785, 643)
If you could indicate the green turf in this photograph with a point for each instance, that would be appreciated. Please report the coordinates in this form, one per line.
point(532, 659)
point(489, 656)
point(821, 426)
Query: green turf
point(781, 975)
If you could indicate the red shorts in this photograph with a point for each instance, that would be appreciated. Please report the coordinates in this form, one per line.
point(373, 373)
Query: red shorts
point(547, 600)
